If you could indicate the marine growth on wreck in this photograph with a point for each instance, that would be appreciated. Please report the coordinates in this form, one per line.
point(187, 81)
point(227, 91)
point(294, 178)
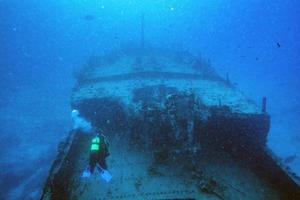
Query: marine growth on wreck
point(177, 130)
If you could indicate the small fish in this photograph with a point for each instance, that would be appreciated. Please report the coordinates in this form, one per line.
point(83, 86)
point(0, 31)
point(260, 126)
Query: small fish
point(89, 17)
point(290, 159)
point(278, 45)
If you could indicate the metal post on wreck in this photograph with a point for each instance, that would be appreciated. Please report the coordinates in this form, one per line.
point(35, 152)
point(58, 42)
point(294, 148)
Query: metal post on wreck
point(227, 79)
point(264, 105)
point(142, 31)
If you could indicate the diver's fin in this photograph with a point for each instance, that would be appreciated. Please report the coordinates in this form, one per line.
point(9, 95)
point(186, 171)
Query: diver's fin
point(86, 173)
point(104, 174)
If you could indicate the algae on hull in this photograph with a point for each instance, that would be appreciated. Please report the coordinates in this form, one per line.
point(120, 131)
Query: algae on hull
point(104, 78)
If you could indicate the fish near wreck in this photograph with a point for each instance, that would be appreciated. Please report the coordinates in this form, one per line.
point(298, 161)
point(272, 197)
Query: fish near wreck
point(89, 17)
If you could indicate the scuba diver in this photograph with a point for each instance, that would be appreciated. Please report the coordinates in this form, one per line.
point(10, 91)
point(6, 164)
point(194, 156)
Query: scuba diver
point(98, 153)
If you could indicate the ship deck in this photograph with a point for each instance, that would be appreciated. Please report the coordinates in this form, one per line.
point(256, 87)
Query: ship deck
point(139, 173)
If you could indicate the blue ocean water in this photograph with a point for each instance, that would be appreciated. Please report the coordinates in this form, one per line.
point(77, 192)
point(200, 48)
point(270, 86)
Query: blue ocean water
point(43, 42)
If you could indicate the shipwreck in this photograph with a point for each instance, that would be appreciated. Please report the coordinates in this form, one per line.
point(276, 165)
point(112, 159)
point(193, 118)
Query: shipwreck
point(177, 130)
